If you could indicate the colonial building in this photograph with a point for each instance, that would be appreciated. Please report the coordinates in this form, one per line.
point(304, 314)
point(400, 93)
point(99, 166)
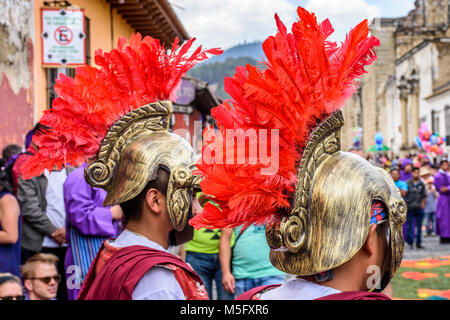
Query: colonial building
point(410, 81)
point(27, 80)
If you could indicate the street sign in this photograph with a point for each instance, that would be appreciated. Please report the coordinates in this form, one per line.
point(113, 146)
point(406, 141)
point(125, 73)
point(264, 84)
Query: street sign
point(63, 37)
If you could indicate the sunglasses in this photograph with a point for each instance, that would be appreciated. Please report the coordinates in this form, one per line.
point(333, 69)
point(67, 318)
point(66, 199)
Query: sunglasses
point(12, 298)
point(47, 280)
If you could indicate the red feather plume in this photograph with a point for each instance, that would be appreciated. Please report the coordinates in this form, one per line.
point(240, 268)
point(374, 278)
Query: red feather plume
point(306, 78)
point(128, 78)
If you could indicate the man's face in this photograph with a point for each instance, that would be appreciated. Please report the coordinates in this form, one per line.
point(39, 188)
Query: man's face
point(415, 174)
point(10, 289)
point(444, 166)
point(37, 288)
point(407, 168)
point(196, 207)
point(395, 175)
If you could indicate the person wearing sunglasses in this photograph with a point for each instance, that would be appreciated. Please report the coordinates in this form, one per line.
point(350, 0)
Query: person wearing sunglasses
point(40, 276)
point(10, 287)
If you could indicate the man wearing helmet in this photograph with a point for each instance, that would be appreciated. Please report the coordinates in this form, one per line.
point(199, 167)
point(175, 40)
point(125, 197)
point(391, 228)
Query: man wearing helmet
point(117, 119)
point(333, 219)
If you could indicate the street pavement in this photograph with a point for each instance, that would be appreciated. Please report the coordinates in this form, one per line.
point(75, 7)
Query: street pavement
point(433, 249)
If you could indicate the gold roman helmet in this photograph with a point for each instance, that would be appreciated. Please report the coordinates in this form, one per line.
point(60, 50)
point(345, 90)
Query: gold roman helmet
point(330, 217)
point(135, 147)
point(118, 116)
point(317, 203)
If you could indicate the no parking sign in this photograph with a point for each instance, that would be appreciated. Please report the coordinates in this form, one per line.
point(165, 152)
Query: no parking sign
point(63, 37)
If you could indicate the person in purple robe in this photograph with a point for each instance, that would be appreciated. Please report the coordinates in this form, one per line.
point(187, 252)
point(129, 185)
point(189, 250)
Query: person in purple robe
point(442, 184)
point(406, 170)
point(88, 225)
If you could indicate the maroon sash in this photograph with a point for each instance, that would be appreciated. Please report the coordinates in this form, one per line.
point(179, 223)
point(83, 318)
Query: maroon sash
point(253, 294)
point(118, 277)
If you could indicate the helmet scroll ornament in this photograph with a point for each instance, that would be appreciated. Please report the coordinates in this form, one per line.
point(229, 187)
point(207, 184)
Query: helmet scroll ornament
point(324, 142)
point(149, 118)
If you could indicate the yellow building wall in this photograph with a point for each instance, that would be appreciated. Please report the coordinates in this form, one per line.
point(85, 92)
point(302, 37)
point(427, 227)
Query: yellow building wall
point(99, 13)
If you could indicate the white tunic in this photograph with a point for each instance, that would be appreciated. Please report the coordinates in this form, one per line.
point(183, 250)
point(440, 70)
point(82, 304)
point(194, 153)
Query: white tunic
point(298, 289)
point(55, 211)
point(158, 283)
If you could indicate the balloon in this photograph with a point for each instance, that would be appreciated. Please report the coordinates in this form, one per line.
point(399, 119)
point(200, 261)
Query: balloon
point(440, 151)
point(434, 148)
point(426, 135)
point(421, 131)
point(378, 138)
point(440, 141)
point(433, 139)
point(424, 126)
point(418, 142)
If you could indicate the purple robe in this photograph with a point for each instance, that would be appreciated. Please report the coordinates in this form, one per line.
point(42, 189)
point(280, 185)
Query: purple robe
point(88, 224)
point(442, 179)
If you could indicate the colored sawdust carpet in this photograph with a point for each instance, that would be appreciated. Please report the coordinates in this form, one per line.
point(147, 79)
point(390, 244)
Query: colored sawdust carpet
point(418, 275)
point(415, 280)
point(427, 263)
point(429, 293)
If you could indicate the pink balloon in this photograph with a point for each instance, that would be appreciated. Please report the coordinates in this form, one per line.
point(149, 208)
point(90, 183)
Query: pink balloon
point(421, 131)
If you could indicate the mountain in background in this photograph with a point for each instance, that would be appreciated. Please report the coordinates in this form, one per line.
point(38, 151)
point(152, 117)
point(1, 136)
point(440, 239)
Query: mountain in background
point(251, 49)
point(214, 70)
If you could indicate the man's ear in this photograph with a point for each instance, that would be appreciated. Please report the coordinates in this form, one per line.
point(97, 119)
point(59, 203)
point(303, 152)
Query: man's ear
point(154, 200)
point(28, 285)
point(371, 241)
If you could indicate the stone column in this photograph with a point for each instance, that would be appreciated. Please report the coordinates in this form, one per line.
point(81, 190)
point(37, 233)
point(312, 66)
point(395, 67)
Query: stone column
point(415, 117)
point(413, 82)
point(403, 95)
point(404, 112)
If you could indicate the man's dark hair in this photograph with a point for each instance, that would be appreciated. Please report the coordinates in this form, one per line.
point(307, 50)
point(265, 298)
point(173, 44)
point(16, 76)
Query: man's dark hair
point(353, 148)
point(132, 209)
point(395, 169)
point(10, 150)
point(415, 169)
point(443, 161)
point(5, 184)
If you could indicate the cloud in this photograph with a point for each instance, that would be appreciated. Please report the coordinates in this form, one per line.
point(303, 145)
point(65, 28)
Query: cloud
point(343, 15)
point(226, 23)
point(220, 23)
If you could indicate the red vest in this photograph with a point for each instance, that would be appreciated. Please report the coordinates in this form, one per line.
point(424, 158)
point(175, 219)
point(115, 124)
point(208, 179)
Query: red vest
point(115, 273)
point(254, 294)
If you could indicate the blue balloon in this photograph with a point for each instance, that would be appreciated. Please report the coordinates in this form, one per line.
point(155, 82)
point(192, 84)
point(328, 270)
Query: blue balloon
point(378, 138)
point(418, 142)
point(433, 139)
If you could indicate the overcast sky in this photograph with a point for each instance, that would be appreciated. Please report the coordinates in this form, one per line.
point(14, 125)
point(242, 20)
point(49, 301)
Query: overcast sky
point(226, 23)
